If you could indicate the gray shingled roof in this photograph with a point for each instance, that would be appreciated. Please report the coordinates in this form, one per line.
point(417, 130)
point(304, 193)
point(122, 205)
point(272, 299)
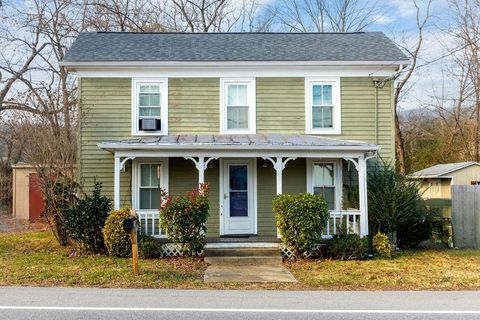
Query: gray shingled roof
point(238, 141)
point(441, 169)
point(205, 47)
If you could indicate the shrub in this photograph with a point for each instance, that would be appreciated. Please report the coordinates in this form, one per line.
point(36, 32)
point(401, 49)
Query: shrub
point(392, 201)
point(347, 247)
point(117, 241)
point(84, 221)
point(381, 245)
point(149, 247)
point(300, 220)
point(183, 219)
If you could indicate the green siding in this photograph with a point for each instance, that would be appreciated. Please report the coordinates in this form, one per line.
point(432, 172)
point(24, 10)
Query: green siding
point(194, 108)
point(281, 109)
point(183, 177)
point(280, 105)
point(194, 105)
point(294, 181)
point(105, 114)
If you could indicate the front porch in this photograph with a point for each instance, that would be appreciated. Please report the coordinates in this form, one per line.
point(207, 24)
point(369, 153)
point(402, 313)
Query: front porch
point(244, 172)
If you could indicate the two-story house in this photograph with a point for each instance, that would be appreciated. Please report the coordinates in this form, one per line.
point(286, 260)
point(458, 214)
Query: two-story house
point(253, 114)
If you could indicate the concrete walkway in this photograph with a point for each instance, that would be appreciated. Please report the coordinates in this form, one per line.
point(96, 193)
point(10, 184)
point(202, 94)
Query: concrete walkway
point(246, 269)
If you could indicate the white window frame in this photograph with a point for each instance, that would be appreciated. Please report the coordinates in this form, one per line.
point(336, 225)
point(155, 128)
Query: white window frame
point(252, 114)
point(336, 102)
point(136, 176)
point(163, 83)
point(337, 178)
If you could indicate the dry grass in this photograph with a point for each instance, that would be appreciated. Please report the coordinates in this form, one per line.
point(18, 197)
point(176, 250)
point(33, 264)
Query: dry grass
point(33, 258)
point(419, 270)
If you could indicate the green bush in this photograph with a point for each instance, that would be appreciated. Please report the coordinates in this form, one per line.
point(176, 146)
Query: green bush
point(117, 241)
point(347, 247)
point(183, 219)
point(84, 221)
point(300, 220)
point(393, 201)
point(381, 245)
point(149, 247)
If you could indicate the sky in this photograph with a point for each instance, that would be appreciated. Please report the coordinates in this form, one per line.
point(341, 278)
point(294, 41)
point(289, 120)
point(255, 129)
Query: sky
point(397, 19)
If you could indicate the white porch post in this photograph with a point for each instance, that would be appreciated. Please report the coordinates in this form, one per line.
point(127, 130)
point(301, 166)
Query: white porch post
point(201, 165)
point(279, 165)
point(362, 192)
point(116, 183)
point(201, 170)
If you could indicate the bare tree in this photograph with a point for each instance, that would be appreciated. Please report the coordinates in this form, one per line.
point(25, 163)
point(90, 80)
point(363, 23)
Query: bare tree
point(405, 76)
point(327, 15)
point(467, 32)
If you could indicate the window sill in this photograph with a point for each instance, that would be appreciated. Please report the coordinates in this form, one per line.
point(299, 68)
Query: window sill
point(238, 132)
point(149, 133)
point(334, 131)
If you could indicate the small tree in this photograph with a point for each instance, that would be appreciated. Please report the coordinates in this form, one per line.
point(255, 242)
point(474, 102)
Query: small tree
point(183, 219)
point(300, 219)
point(392, 200)
point(84, 222)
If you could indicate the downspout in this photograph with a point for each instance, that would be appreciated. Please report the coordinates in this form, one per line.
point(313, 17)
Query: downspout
point(379, 84)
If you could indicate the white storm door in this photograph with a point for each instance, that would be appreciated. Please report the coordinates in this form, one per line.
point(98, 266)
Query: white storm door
point(238, 196)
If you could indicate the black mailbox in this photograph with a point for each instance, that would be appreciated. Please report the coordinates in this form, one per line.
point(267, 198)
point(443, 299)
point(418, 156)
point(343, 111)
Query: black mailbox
point(130, 224)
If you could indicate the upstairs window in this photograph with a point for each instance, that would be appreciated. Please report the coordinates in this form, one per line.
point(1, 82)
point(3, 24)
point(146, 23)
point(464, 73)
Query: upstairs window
point(150, 107)
point(323, 114)
point(237, 114)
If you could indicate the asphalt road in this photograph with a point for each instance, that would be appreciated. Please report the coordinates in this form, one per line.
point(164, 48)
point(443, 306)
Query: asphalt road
point(72, 303)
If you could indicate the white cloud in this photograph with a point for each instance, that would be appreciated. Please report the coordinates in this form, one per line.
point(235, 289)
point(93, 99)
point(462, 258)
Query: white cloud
point(383, 19)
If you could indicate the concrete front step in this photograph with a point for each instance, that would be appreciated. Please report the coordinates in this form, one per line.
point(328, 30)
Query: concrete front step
point(242, 252)
point(243, 261)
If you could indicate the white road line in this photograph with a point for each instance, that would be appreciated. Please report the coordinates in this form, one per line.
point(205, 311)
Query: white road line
point(364, 311)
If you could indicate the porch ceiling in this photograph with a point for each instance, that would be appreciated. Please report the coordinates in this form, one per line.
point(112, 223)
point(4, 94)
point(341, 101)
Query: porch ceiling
point(238, 142)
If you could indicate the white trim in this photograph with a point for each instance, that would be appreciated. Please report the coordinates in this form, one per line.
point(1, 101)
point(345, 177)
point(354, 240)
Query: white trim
point(159, 153)
point(114, 64)
point(251, 98)
point(252, 175)
point(164, 183)
point(338, 180)
point(336, 102)
point(163, 83)
point(229, 147)
point(290, 70)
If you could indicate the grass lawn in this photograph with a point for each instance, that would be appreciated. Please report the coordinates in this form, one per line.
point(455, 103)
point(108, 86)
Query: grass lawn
point(413, 270)
point(33, 258)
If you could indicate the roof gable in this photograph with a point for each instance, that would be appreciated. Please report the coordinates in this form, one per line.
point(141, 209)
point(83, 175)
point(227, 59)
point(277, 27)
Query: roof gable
point(232, 47)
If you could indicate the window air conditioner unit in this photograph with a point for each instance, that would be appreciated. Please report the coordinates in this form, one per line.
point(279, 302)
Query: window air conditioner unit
point(150, 124)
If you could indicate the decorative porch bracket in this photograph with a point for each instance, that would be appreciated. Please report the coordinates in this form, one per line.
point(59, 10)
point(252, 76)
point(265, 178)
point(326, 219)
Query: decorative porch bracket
point(279, 165)
point(361, 166)
point(201, 166)
point(119, 164)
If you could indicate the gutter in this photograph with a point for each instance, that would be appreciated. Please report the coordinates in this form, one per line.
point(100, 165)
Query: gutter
point(136, 64)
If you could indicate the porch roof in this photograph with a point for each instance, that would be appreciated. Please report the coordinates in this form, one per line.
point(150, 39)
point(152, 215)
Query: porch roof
point(238, 142)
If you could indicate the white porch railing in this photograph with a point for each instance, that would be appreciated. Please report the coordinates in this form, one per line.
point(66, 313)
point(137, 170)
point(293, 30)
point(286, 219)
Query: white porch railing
point(150, 223)
point(349, 219)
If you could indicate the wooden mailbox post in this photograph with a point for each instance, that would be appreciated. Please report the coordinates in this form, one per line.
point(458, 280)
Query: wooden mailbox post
point(130, 226)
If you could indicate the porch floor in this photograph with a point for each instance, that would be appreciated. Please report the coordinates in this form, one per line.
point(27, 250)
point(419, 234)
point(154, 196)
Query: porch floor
point(242, 239)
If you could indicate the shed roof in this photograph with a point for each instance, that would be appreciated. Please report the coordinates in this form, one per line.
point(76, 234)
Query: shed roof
point(441, 169)
point(235, 47)
point(238, 141)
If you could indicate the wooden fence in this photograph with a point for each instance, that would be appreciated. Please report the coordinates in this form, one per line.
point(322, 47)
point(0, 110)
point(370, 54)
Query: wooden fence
point(466, 216)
